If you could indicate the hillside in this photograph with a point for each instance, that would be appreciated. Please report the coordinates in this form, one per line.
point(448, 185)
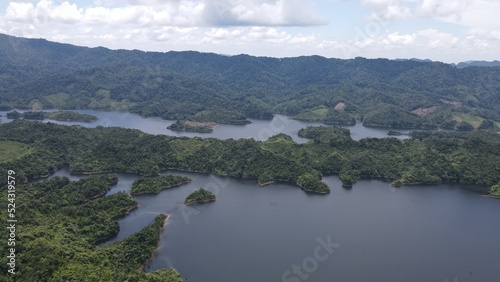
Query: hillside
point(478, 64)
point(186, 85)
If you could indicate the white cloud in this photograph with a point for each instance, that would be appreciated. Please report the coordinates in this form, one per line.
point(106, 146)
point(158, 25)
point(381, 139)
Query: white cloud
point(174, 13)
point(329, 44)
point(399, 39)
point(261, 27)
point(262, 13)
point(470, 13)
point(476, 42)
point(486, 33)
point(388, 9)
point(437, 39)
point(266, 34)
point(441, 8)
point(20, 12)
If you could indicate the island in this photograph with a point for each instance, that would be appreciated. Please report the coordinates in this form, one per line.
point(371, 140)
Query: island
point(495, 191)
point(200, 196)
point(393, 132)
point(192, 126)
point(59, 115)
point(147, 185)
point(70, 116)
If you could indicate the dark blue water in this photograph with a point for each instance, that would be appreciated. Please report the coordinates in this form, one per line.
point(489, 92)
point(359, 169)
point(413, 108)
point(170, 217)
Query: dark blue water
point(372, 232)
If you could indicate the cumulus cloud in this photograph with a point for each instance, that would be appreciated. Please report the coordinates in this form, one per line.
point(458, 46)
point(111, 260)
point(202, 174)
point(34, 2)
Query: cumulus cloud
point(388, 9)
point(471, 13)
point(399, 39)
point(262, 12)
point(263, 27)
point(173, 12)
point(437, 39)
point(441, 8)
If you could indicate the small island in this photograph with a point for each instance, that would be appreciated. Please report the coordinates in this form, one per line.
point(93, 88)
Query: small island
point(495, 191)
point(192, 126)
point(148, 185)
point(59, 116)
point(200, 196)
point(70, 116)
point(393, 132)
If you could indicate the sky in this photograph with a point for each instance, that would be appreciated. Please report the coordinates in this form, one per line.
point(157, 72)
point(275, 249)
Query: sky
point(450, 31)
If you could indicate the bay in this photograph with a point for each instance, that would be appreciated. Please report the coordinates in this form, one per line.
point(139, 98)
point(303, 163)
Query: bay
point(372, 232)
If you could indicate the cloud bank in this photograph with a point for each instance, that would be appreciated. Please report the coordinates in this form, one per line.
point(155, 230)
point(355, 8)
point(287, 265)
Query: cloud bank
point(186, 13)
point(383, 28)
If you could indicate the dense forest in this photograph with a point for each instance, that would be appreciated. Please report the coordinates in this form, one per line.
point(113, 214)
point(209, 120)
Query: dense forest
point(154, 185)
point(57, 115)
point(199, 196)
point(37, 74)
point(185, 126)
point(62, 221)
point(429, 157)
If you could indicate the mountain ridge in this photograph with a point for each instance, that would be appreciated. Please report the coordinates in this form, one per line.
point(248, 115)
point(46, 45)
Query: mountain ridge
point(183, 84)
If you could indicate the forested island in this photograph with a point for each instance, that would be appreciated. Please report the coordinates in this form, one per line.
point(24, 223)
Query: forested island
point(200, 196)
point(153, 185)
point(58, 115)
point(61, 223)
point(201, 127)
point(429, 157)
point(207, 87)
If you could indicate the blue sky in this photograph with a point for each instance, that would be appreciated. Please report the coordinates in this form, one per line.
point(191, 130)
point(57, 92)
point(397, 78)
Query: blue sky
point(448, 31)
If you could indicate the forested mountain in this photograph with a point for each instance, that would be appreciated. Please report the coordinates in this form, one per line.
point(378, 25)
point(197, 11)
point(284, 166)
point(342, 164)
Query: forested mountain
point(180, 85)
point(494, 63)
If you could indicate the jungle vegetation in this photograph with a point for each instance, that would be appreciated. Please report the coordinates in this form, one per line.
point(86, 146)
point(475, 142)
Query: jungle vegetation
point(428, 157)
point(62, 221)
point(153, 185)
point(200, 196)
point(38, 74)
point(57, 115)
point(183, 126)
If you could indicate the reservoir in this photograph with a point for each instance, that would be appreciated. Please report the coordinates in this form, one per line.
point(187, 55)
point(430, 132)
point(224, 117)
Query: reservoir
point(372, 232)
point(258, 129)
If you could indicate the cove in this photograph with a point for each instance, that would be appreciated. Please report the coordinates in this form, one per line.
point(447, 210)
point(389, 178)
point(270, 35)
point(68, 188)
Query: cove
point(380, 233)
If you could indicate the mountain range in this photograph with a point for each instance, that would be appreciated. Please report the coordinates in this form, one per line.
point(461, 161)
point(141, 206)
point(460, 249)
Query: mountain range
point(39, 74)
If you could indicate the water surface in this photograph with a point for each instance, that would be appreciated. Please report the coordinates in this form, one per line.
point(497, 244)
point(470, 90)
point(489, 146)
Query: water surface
point(375, 232)
point(258, 129)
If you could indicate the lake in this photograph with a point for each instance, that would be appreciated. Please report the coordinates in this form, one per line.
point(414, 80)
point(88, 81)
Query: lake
point(258, 129)
point(372, 232)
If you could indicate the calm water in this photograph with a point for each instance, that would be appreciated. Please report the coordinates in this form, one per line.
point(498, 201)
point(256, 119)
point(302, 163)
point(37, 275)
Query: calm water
point(371, 232)
point(375, 232)
point(258, 129)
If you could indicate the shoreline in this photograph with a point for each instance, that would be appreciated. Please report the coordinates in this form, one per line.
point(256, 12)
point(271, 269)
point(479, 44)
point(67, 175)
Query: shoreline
point(115, 217)
point(158, 244)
